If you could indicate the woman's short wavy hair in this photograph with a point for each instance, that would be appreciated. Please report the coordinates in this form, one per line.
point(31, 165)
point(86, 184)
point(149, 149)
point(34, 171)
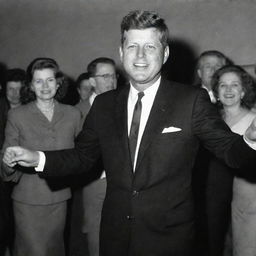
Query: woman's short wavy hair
point(248, 84)
point(28, 95)
point(139, 19)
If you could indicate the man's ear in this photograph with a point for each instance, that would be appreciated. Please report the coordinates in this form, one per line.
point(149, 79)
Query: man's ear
point(121, 53)
point(166, 53)
point(92, 82)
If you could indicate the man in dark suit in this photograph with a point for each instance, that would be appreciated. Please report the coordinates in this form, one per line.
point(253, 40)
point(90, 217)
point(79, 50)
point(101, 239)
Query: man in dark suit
point(212, 179)
point(102, 77)
point(148, 209)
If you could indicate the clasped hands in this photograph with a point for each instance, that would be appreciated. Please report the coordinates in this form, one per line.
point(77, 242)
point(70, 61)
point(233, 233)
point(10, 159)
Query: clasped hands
point(18, 155)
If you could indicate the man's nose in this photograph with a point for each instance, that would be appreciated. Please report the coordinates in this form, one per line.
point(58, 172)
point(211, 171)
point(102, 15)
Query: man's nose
point(140, 52)
point(16, 92)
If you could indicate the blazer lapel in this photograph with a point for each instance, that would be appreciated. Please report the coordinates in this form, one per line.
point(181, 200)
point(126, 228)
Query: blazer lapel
point(58, 113)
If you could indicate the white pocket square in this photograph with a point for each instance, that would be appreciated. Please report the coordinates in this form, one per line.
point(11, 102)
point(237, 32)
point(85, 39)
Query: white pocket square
point(171, 129)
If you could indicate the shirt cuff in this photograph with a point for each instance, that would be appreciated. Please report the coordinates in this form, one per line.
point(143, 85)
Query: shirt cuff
point(250, 143)
point(41, 164)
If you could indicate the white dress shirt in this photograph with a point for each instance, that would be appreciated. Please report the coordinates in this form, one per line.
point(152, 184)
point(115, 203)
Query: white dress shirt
point(147, 102)
point(211, 95)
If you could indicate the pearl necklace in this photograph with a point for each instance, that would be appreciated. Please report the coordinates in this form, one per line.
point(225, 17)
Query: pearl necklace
point(46, 110)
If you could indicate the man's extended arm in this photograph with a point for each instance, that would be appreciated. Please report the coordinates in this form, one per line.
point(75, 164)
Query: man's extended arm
point(63, 162)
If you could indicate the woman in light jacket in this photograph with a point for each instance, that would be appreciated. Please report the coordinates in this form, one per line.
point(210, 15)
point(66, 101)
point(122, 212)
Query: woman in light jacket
point(40, 205)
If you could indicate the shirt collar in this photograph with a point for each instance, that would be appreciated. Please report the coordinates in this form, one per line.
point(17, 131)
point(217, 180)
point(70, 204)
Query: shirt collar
point(150, 91)
point(210, 93)
point(92, 98)
point(204, 87)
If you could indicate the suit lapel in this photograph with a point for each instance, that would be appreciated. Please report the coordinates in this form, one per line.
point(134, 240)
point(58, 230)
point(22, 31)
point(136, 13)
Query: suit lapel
point(121, 112)
point(160, 112)
point(121, 122)
point(158, 115)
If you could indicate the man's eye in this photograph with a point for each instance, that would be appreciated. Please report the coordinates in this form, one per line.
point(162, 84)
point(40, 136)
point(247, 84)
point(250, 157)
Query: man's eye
point(150, 47)
point(131, 46)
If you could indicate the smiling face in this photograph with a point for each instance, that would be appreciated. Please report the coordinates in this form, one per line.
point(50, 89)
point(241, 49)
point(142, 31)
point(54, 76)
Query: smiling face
point(143, 55)
point(230, 89)
point(44, 84)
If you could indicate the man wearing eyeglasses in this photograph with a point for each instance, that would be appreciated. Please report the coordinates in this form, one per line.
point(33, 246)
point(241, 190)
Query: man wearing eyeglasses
point(103, 78)
point(102, 73)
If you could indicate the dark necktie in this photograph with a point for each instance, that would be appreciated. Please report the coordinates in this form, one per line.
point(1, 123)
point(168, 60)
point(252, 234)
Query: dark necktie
point(135, 126)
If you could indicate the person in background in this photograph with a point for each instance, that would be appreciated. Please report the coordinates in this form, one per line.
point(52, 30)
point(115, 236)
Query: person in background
point(212, 182)
point(235, 91)
point(15, 80)
point(103, 78)
point(147, 134)
point(85, 90)
point(39, 205)
point(207, 63)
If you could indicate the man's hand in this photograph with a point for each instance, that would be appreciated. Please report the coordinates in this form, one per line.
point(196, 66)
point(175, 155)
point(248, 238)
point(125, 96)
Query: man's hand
point(21, 156)
point(250, 134)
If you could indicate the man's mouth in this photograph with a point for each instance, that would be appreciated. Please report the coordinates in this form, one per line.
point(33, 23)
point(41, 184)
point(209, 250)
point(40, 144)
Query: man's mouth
point(140, 65)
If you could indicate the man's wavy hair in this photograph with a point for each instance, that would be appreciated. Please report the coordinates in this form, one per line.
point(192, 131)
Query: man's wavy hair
point(248, 84)
point(27, 95)
point(139, 19)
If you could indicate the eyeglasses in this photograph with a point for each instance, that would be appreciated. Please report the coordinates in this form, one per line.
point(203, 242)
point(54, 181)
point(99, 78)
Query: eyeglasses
point(107, 76)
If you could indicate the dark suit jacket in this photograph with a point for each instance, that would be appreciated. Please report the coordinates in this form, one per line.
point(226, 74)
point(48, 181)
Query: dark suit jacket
point(4, 107)
point(149, 211)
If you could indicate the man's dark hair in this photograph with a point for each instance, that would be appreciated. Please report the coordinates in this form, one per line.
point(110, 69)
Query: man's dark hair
point(82, 77)
point(139, 19)
point(92, 66)
point(16, 75)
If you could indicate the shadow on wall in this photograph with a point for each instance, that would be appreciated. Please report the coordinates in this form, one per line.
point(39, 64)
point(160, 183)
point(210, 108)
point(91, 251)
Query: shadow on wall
point(180, 66)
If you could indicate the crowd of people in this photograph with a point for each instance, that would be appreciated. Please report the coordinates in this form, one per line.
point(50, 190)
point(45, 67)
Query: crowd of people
point(162, 168)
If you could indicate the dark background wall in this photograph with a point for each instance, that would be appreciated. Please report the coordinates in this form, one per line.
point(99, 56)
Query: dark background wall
point(76, 31)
